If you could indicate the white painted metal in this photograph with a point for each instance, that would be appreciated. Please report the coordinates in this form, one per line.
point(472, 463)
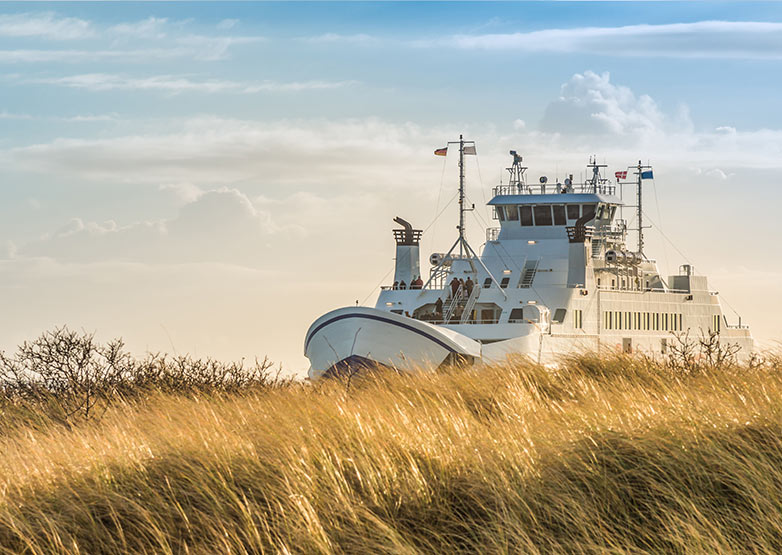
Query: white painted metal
point(613, 297)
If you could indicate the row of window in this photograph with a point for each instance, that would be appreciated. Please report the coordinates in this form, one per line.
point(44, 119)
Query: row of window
point(553, 214)
point(578, 319)
point(646, 321)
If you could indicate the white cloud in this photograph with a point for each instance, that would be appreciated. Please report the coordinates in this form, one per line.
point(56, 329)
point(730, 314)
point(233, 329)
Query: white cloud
point(227, 24)
point(44, 25)
point(207, 150)
point(190, 46)
point(7, 115)
point(149, 28)
point(176, 84)
point(702, 39)
point(208, 48)
point(590, 103)
point(334, 38)
point(80, 56)
point(221, 225)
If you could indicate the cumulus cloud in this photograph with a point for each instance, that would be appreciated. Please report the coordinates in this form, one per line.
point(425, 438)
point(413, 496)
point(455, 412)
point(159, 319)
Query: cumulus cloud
point(590, 103)
point(702, 39)
point(221, 225)
point(44, 25)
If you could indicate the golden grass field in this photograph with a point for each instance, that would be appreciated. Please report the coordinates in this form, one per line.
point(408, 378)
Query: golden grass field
point(608, 454)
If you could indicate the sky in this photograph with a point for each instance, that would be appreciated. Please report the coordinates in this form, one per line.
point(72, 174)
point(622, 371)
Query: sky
point(209, 178)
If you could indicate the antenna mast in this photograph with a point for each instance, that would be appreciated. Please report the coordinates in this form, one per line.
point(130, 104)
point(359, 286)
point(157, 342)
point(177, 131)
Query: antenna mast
point(639, 203)
point(461, 194)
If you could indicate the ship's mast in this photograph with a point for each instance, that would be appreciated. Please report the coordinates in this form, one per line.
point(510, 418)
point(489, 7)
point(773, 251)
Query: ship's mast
point(461, 194)
point(640, 213)
point(639, 203)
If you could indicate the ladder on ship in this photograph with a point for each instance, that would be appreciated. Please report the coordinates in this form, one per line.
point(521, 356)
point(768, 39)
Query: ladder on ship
point(530, 269)
point(452, 305)
point(470, 305)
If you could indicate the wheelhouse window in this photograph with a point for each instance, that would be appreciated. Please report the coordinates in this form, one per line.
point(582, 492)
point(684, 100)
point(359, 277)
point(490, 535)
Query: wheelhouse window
point(500, 213)
point(589, 210)
point(526, 215)
point(512, 213)
point(559, 214)
point(573, 211)
point(543, 214)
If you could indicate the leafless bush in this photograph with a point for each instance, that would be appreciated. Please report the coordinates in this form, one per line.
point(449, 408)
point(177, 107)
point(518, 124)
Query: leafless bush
point(73, 377)
point(705, 353)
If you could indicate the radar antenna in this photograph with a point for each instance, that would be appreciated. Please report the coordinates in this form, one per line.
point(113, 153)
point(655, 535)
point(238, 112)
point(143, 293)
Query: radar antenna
point(517, 178)
point(597, 183)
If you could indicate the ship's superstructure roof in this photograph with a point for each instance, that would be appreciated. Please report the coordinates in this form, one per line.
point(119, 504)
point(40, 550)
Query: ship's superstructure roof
point(555, 198)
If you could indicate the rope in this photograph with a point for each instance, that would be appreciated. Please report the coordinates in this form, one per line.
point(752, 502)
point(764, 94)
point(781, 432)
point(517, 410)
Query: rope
point(439, 194)
point(378, 285)
point(424, 231)
point(687, 259)
point(660, 219)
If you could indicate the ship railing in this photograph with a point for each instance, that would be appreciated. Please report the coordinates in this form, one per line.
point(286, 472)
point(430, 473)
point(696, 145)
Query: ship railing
point(551, 188)
point(440, 321)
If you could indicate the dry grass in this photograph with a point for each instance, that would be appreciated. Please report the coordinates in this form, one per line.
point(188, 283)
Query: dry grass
point(607, 454)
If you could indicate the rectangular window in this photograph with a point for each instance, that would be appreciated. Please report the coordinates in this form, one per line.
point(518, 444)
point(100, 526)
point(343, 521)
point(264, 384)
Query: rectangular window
point(618, 320)
point(526, 215)
point(500, 213)
point(559, 214)
point(657, 321)
point(543, 214)
point(573, 211)
point(665, 321)
point(559, 315)
point(578, 322)
point(512, 213)
point(608, 320)
point(628, 321)
point(715, 325)
point(647, 326)
point(589, 210)
point(516, 315)
point(681, 327)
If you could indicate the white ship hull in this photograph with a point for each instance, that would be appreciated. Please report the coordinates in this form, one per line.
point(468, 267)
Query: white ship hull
point(352, 337)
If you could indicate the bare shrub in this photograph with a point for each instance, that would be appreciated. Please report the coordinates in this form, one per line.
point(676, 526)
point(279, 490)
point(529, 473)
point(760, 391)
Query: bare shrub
point(70, 376)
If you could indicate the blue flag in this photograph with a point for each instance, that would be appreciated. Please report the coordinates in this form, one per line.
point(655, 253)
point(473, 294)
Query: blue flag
point(647, 175)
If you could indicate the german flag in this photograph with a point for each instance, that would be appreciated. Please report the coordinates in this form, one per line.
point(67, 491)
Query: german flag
point(441, 151)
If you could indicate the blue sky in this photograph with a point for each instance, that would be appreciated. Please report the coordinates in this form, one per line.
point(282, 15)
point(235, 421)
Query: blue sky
point(209, 177)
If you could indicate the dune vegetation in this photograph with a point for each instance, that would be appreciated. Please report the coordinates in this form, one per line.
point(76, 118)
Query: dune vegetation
point(607, 453)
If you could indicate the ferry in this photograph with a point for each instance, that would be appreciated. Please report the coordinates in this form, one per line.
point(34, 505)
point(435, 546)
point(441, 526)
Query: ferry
point(558, 276)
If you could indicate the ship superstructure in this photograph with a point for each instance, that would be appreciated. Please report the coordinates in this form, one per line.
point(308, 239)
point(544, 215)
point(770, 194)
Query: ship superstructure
point(557, 276)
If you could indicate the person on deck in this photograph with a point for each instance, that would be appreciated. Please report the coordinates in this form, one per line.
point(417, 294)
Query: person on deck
point(438, 308)
point(417, 283)
point(454, 286)
point(461, 284)
point(402, 284)
point(469, 284)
